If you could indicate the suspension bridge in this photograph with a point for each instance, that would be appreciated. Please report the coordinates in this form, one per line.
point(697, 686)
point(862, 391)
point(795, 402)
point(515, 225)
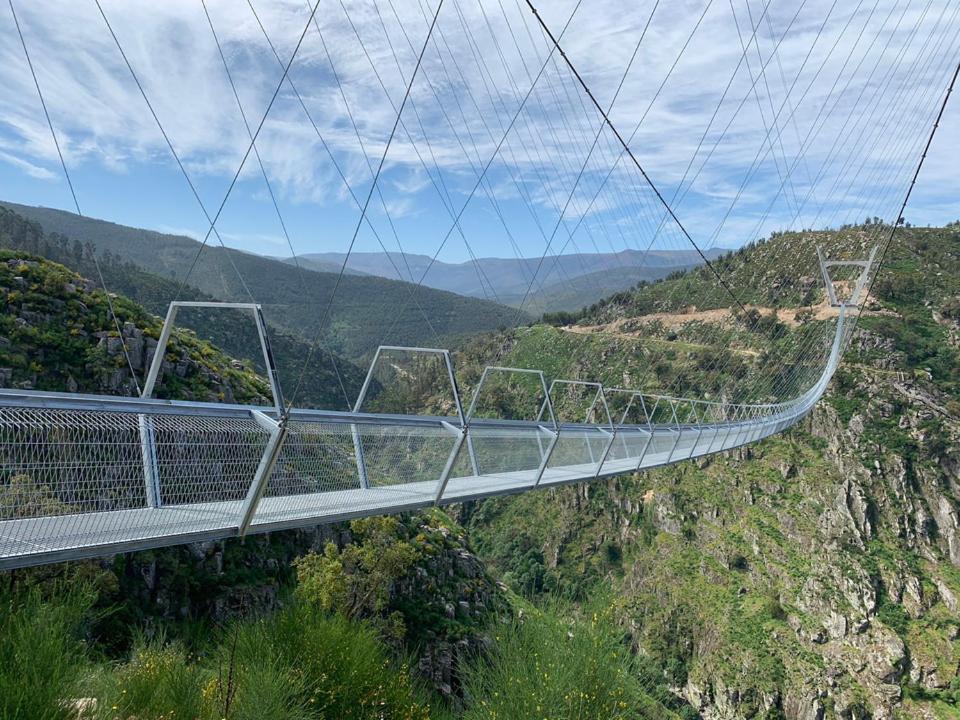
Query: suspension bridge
point(89, 475)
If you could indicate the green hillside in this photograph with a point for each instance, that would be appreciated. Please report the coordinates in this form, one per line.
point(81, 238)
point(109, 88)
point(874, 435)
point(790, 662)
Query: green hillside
point(309, 624)
point(813, 575)
point(367, 311)
point(56, 333)
point(231, 330)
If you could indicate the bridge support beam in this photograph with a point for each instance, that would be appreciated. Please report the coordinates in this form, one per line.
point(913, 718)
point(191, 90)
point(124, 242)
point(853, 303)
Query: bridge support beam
point(555, 433)
point(278, 433)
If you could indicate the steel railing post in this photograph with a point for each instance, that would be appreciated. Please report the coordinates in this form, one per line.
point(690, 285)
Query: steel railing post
point(461, 433)
point(151, 470)
point(278, 433)
point(546, 456)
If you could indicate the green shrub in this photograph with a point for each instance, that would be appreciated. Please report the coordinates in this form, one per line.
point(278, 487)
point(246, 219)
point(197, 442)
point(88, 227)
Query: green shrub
point(42, 659)
point(299, 664)
point(542, 666)
point(158, 682)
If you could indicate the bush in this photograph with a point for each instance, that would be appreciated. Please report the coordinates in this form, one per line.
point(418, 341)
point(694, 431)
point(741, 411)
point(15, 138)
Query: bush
point(542, 666)
point(158, 682)
point(42, 659)
point(297, 665)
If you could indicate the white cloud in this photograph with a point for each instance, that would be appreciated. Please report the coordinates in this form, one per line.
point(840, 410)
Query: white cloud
point(474, 73)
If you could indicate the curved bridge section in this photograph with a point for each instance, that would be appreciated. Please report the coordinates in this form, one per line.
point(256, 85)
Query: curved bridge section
point(84, 476)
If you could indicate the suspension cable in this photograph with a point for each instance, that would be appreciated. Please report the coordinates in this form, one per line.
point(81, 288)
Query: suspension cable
point(73, 194)
point(633, 157)
point(366, 203)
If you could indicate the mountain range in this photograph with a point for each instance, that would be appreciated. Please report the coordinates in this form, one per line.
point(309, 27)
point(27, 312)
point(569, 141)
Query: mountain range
point(349, 316)
point(563, 282)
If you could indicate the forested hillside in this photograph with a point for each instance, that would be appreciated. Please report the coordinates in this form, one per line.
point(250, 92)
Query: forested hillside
point(367, 311)
point(814, 575)
point(231, 330)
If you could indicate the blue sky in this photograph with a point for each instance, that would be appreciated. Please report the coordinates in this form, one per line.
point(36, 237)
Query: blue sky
point(822, 122)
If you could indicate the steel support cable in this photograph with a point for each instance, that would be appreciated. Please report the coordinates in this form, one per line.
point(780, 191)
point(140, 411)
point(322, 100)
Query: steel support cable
point(848, 129)
point(633, 158)
point(495, 100)
point(319, 135)
point(763, 116)
point(383, 202)
point(913, 181)
point(548, 46)
point(733, 328)
point(550, 128)
point(853, 151)
point(573, 190)
point(183, 170)
point(875, 270)
point(884, 81)
point(484, 72)
point(366, 203)
point(537, 164)
point(793, 167)
point(582, 130)
point(830, 153)
point(267, 183)
point(791, 376)
point(760, 156)
point(438, 183)
point(636, 162)
point(590, 115)
point(528, 203)
point(449, 204)
point(496, 152)
point(442, 190)
point(73, 194)
point(680, 193)
point(572, 135)
point(605, 183)
point(782, 76)
point(366, 157)
point(494, 37)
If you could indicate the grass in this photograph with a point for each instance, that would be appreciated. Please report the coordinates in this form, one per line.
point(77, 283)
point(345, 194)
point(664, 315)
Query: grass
point(42, 657)
point(545, 666)
point(299, 664)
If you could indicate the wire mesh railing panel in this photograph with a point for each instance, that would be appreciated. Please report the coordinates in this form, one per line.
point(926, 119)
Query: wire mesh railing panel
point(629, 444)
point(203, 459)
point(75, 479)
point(661, 446)
point(689, 436)
point(399, 454)
point(58, 462)
point(316, 458)
point(512, 454)
point(578, 448)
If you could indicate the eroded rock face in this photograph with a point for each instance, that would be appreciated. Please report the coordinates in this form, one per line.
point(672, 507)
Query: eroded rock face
point(811, 578)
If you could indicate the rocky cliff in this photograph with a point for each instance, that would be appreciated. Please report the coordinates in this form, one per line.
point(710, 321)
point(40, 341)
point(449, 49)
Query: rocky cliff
point(815, 575)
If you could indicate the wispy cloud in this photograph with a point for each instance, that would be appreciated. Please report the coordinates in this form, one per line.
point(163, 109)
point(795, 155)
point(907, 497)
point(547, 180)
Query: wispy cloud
point(833, 115)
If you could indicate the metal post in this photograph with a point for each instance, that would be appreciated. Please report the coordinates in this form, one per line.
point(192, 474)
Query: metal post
point(262, 475)
point(268, 361)
point(157, 362)
point(606, 450)
point(546, 457)
point(451, 459)
point(643, 452)
point(151, 471)
point(358, 453)
point(148, 448)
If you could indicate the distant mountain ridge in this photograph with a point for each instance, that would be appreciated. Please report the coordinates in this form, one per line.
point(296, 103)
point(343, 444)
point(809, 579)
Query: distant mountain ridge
point(506, 280)
point(366, 310)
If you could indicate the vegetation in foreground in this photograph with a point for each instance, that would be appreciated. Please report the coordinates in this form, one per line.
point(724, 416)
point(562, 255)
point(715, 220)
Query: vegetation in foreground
point(307, 661)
